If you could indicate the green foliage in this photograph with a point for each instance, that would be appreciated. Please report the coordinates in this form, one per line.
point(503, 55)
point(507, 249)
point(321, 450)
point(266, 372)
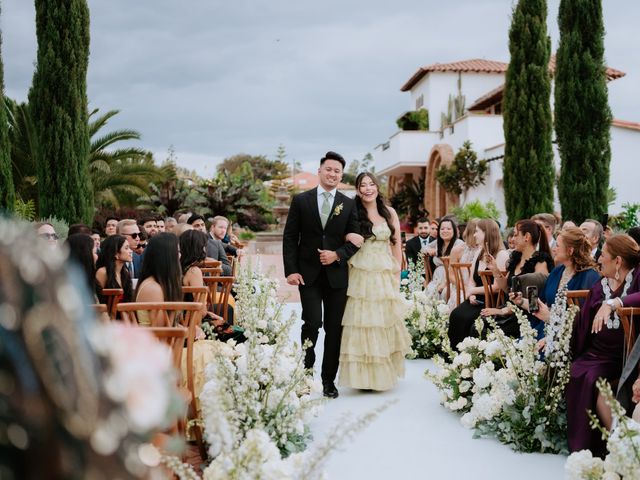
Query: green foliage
point(58, 103)
point(582, 114)
point(414, 120)
point(628, 218)
point(528, 159)
point(263, 168)
point(177, 193)
point(465, 172)
point(25, 210)
point(455, 107)
point(237, 196)
point(476, 209)
point(7, 191)
point(23, 149)
point(246, 235)
point(357, 166)
point(409, 201)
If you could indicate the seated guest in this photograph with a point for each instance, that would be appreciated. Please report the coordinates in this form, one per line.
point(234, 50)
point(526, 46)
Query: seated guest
point(142, 244)
point(129, 229)
point(548, 222)
point(219, 231)
point(530, 255)
point(467, 252)
point(180, 228)
point(193, 245)
point(169, 224)
point(415, 245)
point(111, 266)
point(509, 243)
point(78, 228)
point(597, 343)
point(46, 232)
point(441, 247)
point(462, 318)
point(160, 224)
point(567, 224)
point(634, 233)
point(215, 249)
point(95, 235)
point(593, 230)
point(111, 226)
point(160, 278)
point(575, 271)
point(149, 226)
point(184, 218)
point(83, 253)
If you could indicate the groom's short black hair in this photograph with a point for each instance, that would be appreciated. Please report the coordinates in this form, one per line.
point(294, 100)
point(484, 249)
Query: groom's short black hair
point(333, 156)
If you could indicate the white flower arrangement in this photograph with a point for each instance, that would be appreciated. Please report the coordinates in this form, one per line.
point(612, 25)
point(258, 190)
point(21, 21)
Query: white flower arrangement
point(509, 391)
point(260, 384)
point(427, 318)
point(623, 444)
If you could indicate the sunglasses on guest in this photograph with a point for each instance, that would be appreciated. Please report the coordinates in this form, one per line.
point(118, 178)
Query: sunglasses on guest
point(49, 236)
point(132, 235)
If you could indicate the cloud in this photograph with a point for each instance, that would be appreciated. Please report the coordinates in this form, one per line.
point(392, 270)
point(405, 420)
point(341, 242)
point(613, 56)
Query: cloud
point(214, 78)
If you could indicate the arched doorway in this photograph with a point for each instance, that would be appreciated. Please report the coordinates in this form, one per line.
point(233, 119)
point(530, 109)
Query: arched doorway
point(436, 199)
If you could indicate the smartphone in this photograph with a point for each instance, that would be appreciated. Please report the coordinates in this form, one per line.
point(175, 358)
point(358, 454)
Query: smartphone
point(479, 302)
point(515, 284)
point(532, 296)
point(605, 220)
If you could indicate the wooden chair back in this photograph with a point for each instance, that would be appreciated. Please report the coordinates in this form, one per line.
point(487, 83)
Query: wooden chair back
point(447, 276)
point(576, 297)
point(171, 313)
point(200, 294)
point(112, 297)
point(428, 273)
point(491, 299)
point(210, 263)
point(460, 280)
point(234, 262)
point(629, 326)
point(219, 293)
point(405, 264)
point(211, 271)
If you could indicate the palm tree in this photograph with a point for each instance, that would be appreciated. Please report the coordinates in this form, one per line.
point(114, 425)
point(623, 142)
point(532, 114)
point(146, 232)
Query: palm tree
point(118, 175)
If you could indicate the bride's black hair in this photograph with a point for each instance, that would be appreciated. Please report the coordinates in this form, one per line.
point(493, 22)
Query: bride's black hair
point(366, 226)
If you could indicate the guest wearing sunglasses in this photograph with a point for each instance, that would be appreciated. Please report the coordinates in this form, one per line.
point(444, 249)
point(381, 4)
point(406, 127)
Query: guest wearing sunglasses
point(129, 229)
point(46, 232)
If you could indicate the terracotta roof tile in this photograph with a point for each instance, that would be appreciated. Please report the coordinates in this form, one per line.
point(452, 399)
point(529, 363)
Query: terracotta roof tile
point(478, 65)
point(482, 66)
point(625, 124)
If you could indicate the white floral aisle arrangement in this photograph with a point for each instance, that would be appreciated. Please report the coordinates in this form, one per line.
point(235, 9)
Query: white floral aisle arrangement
point(506, 390)
point(260, 384)
point(623, 444)
point(428, 317)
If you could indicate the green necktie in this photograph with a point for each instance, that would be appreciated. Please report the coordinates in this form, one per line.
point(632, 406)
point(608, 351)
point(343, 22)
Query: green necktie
point(326, 209)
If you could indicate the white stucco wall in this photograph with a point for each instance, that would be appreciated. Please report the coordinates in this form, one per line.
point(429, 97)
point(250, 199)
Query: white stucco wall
point(624, 172)
point(406, 147)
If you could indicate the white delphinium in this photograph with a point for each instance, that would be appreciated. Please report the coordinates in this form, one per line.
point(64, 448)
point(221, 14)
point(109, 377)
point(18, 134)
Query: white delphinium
point(624, 450)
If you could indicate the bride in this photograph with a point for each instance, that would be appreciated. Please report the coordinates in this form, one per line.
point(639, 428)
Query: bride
point(374, 337)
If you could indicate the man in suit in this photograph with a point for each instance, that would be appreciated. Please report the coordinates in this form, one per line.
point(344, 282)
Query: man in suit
point(215, 249)
point(130, 230)
point(593, 231)
point(315, 258)
point(414, 247)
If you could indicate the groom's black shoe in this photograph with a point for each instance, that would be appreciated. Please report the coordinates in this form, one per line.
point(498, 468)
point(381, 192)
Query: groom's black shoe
point(329, 390)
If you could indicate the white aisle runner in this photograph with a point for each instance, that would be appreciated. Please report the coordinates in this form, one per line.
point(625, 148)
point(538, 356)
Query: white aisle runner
point(416, 438)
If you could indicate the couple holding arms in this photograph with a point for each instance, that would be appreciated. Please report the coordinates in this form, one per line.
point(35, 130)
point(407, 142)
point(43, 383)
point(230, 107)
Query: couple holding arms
point(345, 255)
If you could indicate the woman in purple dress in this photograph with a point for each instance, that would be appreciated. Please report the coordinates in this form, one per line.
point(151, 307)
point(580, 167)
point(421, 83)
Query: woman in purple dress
point(597, 343)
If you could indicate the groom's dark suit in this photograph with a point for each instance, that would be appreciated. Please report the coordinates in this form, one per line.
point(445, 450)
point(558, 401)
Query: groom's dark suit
point(324, 286)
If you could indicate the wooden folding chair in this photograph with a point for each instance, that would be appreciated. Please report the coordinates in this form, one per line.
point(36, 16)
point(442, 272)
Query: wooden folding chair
point(487, 283)
point(219, 293)
point(100, 309)
point(233, 261)
point(629, 326)
point(174, 338)
point(460, 280)
point(576, 297)
point(112, 297)
point(200, 294)
point(447, 276)
point(428, 273)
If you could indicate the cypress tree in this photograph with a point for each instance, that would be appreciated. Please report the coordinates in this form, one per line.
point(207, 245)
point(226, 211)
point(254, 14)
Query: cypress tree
point(58, 103)
point(583, 117)
point(528, 156)
point(7, 191)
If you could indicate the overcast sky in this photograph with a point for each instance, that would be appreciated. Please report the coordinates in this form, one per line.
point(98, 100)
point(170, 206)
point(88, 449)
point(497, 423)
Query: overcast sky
point(218, 77)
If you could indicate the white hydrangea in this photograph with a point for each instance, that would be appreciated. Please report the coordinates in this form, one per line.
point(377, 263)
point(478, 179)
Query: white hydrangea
point(583, 465)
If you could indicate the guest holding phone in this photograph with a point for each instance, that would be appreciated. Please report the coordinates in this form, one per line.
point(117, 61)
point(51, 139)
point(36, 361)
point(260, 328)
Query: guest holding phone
point(487, 233)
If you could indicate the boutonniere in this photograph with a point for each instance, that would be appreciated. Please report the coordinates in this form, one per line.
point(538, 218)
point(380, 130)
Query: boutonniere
point(338, 209)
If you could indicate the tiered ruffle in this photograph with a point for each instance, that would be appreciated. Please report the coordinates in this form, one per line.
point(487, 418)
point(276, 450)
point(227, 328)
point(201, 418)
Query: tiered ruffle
point(374, 337)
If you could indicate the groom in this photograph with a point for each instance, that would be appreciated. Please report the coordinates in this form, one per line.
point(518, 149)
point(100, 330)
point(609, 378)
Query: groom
point(315, 259)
